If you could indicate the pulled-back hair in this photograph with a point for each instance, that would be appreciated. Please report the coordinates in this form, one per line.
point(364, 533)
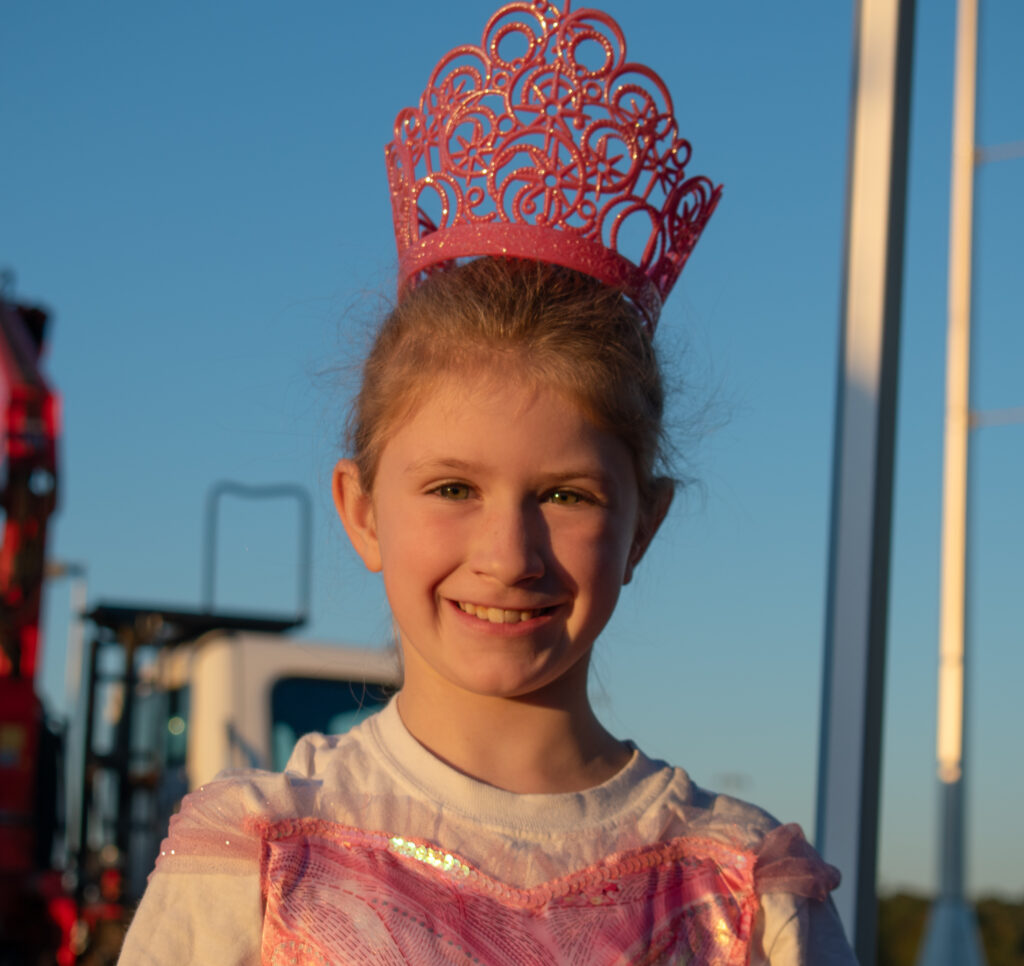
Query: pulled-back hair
point(531, 321)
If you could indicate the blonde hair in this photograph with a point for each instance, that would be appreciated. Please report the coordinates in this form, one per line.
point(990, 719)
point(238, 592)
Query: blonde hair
point(528, 319)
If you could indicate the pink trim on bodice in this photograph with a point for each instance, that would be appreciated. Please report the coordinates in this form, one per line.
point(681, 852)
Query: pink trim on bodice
point(336, 894)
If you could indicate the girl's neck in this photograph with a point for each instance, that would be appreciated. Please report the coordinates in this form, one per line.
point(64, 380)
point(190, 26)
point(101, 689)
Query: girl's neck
point(524, 745)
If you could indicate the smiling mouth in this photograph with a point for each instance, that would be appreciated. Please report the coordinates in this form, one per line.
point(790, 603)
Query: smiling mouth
point(496, 615)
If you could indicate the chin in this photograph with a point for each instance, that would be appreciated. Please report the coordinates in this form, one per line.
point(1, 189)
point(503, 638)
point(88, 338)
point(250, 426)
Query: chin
point(517, 683)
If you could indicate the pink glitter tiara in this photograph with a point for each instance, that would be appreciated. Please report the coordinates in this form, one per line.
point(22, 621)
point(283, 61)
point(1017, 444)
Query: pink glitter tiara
point(544, 142)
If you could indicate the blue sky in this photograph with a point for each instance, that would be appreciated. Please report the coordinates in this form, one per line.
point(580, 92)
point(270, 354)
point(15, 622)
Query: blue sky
point(198, 193)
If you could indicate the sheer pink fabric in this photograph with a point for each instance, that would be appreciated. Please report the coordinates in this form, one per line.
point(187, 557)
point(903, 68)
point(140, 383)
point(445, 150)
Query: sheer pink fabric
point(337, 894)
point(340, 895)
point(786, 862)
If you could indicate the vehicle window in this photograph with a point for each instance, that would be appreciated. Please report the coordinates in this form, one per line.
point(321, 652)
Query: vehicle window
point(176, 736)
point(331, 706)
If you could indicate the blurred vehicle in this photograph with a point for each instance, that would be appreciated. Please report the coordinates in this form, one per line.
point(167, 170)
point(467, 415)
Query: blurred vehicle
point(168, 708)
point(167, 697)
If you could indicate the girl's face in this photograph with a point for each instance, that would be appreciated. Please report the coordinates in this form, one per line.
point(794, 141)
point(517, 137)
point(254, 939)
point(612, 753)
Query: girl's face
point(505, 524)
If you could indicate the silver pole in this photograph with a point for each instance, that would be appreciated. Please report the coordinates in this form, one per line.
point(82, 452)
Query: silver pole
point(74, 698)
point(952, 936)
point(858, 579)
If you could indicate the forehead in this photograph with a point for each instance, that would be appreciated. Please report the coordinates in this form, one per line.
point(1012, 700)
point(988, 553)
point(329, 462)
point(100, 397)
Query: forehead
point(448, 402)
point(508, 373)
point(492, 418)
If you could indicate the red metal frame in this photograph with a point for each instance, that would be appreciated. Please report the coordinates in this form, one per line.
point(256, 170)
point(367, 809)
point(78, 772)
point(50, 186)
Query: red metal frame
point(32, 902)
point(29, 428)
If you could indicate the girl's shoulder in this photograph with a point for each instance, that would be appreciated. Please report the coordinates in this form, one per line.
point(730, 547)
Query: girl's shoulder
point(666, 797)
point(218, 826)
point(784, 860)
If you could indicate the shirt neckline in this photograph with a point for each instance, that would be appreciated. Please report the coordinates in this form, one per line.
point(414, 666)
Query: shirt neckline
point(624, 796)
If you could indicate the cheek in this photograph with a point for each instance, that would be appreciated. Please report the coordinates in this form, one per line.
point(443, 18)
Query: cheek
point(595, 555)
point(417, 551)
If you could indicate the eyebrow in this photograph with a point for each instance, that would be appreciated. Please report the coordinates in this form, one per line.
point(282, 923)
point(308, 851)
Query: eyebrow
point(569, 473)
point(441, 463)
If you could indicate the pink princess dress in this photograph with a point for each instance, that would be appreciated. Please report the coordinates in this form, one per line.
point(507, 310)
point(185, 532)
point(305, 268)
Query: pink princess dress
point(368, 850)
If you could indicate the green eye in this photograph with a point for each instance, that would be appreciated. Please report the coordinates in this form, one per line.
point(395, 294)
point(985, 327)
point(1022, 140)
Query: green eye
point(453, 491)
point(566, 497)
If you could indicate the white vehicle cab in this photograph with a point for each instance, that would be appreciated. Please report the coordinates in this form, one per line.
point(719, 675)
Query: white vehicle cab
point(242, 699)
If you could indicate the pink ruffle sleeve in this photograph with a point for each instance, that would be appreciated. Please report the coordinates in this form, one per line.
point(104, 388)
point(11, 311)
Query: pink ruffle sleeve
point(786, 862)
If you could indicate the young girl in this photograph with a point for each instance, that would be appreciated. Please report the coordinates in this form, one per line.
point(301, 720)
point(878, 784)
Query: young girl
point(506, 477)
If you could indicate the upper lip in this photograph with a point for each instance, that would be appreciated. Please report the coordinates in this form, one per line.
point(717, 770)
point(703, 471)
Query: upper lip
point(503, 606)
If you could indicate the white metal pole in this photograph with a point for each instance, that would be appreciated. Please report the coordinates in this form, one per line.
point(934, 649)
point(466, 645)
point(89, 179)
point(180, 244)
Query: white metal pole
point(858, 580)
point(958, 364)
point(951, 935)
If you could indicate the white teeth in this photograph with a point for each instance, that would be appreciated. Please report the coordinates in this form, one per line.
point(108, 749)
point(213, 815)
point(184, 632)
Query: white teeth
point(496, 615)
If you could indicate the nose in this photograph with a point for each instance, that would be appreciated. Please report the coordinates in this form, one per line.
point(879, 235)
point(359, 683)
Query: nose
point(510, 543)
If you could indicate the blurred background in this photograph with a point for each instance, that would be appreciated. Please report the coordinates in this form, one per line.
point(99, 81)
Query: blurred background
point(197, 193)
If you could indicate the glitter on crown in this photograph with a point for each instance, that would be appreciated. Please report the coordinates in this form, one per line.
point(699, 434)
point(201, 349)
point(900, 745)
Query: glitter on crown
point(544, 142)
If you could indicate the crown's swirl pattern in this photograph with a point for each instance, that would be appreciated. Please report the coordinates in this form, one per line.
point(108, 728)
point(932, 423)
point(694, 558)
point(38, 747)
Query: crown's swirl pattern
point(544, 141)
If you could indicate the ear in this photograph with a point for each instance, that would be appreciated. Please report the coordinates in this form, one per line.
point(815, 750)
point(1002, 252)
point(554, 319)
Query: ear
point(355, 507)
point(650, 519)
